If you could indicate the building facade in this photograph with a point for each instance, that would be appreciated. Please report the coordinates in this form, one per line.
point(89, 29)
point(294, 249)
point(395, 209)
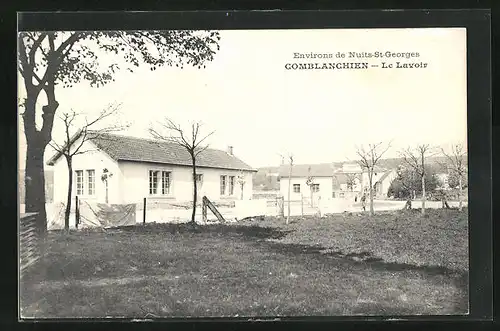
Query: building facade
point(331, 181)
point(119, 170)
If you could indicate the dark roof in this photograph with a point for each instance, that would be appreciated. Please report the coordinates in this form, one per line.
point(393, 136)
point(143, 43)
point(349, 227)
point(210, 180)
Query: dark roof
point(376, 169)
point(268, 170)
point(123, 148)
point(302, 170)
point(384, 176)
point(340, 178)
point(318, 170)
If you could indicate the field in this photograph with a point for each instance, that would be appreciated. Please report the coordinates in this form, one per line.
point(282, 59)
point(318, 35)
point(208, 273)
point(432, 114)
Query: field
point(397, 263)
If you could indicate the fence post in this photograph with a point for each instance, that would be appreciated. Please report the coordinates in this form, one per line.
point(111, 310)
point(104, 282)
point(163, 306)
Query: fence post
point(282, 206)
point(144, 212)
point(319, 206)
point(77, 212)
point(277, 204)
point(302, 205)
point(204, 209)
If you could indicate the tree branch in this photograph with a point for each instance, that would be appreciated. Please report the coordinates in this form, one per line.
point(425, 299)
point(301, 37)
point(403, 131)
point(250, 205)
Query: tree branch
point(56, 56)
point(203, 139)
point(36, 44)
point(201, 150)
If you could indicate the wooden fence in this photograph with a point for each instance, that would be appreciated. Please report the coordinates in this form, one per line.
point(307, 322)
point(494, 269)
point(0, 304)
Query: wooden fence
point(28, 242)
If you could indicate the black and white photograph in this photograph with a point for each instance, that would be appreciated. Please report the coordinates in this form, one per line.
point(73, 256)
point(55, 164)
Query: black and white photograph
point(243, 173)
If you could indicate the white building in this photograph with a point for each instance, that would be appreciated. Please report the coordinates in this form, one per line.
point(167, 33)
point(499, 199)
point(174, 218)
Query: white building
point(321, 175)
point(351, 180)
point(346, 180)
point(142, 168)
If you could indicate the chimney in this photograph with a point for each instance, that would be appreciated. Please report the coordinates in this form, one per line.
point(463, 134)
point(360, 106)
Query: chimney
point(230, 150)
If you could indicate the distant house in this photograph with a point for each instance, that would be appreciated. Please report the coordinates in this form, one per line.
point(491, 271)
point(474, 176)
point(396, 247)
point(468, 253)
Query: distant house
point(382, 182)
point(144, 168)
point(321, 175)
point(330, 180)
point(350, 181)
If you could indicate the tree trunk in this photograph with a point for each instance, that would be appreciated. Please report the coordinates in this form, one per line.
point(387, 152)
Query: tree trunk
point(423, 194)
point(106, 187)
point(372, 212)
point(289, 186)
point(36, 142)
point(67, 213)
point(195, 189)
point(35, 182)
point(311, 195)
point(460, 206)
point(301, 205)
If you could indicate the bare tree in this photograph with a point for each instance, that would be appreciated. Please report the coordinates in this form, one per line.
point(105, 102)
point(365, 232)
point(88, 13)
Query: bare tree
point(368, 160)
point(310, 184)
point(351, 180)
point(415, 159)
point(192, 142)
point(75, 141)
point(50, 60)
point(241, 181)
point(457, 161)
point(290, 160)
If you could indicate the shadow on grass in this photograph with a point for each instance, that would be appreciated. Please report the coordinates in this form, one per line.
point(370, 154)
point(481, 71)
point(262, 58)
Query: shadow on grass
point(253, 231)
point(270, 235)
point(171, 299)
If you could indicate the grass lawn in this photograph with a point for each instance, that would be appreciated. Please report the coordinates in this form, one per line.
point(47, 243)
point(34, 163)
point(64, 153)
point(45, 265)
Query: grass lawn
point(339, 265)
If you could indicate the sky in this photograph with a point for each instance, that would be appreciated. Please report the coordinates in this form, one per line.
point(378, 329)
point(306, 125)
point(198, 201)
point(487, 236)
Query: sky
point(263, 110)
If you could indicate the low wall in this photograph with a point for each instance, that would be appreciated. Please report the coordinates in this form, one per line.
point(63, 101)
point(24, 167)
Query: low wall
point(248, 208)
point(257, 194)
point(335, 205)
point(242, 209)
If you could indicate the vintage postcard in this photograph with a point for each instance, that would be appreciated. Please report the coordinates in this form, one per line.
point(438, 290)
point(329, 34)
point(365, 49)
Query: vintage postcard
point(243, 173)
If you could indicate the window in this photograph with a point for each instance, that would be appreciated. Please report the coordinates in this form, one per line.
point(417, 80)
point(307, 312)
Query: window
point(296, 188)
point(79, 182)
point(223, 180)
point(231, 185)
point(315, 187)
point(154, 182)
point(165, 182)
point(91, 182)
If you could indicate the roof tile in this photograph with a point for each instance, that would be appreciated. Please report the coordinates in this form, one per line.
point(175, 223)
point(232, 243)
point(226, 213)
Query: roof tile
point(125, 148)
